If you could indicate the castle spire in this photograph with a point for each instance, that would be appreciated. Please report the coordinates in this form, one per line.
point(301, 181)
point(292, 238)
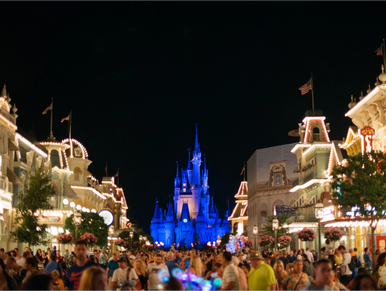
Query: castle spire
point(189, 168)
point(200, 216)
point(170, 214)
point(204, 164)
point(212, 207)
point(156, 212)
point(196, 145)
point(177, 176)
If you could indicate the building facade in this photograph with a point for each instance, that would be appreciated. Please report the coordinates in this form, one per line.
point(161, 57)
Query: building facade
point(192, 219)
point(270, 176)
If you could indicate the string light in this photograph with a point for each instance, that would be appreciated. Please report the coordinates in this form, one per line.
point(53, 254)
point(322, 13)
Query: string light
point(309, 183)
point(32, 146)
point(84, 151)
point(91, 189)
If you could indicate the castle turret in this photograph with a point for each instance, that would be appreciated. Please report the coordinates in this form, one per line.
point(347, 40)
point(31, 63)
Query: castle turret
point(169, 226)
point(189, 171)
point(196, 161)
point(155, 223)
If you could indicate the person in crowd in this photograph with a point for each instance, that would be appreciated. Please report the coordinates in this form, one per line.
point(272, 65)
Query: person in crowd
point(140, 269)
point(322, 275)
point(171, 262)
point(96, 257)
point(74, 273)
point(274, 258)
point(196, 266)
point(230, 278)
point(3, 255)
point(331, 258)
point(18, 256)
point(152, 271)
point(38, 282)
point(334, 283)
point(344, 268)
point(246, 268)
point(111, 267)
point(132, 259)
point(58, 283)
point(261, 276)
point(267, 259)
point(53, 265)
point(123, 273)
point(44, 259)
point(243, 283)
point(18, 273)
point(377, 253)
point(54, 251)
point(280, 273)
point(308, 267)
point(381, 282)
point(283, 258)
point(296, 279)
point(93, 278)
point(338, 257)
point(367, 257)
point(103, 257)
point(173, 284)
point(364, 282)
point(329, 247)
point(21, 262)
point(358, 254)
point(216, 268)
point(291, 257)
point(31, 267)
point(6, 281)
point(309, 255)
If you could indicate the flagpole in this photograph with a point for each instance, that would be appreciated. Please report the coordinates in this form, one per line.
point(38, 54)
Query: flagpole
point(118, 178)
point(312, 91)
point(52, 109)
point(383, 49)
point(69, 132)
point(244, 171)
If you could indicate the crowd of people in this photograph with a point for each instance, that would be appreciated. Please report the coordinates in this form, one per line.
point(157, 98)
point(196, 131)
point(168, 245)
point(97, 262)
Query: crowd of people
point(332, 269)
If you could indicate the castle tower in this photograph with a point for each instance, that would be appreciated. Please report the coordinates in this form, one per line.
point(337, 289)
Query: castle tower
point(169, 226)
point(196, 161)
point(155, 223)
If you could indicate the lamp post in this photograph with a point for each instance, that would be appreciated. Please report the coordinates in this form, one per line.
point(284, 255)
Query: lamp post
point(275, 226)
point(65, 202)
point(77, 220)
point(131, 238)
point(255, 231)
point(319, 216)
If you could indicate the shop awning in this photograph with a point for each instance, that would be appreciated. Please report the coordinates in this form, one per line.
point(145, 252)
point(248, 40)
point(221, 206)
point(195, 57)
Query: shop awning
point(13, 178)
point(56, 187)
point(67, 191)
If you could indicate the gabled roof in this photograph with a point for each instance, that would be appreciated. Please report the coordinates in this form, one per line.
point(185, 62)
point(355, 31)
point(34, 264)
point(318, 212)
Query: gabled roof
point(242, 193)
point(185, 212)
point(240, 210)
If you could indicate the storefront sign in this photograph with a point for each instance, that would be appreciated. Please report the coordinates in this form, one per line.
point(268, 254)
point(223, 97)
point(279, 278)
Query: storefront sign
point(285, 209)
point(367, 135)
point(328, 213)
point(49, 219)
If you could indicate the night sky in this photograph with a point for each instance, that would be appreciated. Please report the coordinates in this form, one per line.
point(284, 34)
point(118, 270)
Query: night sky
point(139, 75)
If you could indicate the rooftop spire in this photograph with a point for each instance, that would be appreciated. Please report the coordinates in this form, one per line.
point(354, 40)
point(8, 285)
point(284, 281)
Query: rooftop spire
point(170, 210)
point(212, 207)
point(156, 212)
point(189, 168)
point(204, 164)
point(4, 92)
point(177, 176)
point(196, 145)
point(200, 212)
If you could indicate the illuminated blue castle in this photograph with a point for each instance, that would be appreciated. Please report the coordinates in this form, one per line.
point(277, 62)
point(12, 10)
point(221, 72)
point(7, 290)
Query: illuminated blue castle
point(195, 219)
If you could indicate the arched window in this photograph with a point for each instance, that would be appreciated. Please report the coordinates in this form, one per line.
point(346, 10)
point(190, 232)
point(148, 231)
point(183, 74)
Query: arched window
point(277, 202)
point(263, 212)
point(316, 134)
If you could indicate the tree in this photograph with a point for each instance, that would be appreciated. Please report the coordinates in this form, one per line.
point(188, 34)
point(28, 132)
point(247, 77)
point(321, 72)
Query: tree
point(125, 235)
point(282, 218)
point(92, 223)
point(359, 185)
point(35, 197)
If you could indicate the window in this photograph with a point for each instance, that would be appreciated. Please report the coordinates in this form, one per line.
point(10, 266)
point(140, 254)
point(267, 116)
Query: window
point(184, 184)
point(316, 134)
point(77, 172)
point(184, 190)
point(76, 176)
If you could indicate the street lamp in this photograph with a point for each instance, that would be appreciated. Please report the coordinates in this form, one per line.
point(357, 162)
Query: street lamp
point(72, 204)
point(77, 220)
point(65, 202)
point(275, 226)
point(131, 237)
point(319, 216)
point(255, 231)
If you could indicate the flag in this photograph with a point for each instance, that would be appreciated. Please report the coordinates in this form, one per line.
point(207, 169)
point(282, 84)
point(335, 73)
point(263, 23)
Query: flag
point(306, 87)
point(66, 118)
point(294, 133)
point(378, 52)
point(47, 109)
point(242, 171)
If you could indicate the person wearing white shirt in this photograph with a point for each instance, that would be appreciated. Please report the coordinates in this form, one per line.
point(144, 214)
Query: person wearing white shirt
point(124, 273)
point(230, 278)
point(309, 255)
point(345, 270)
